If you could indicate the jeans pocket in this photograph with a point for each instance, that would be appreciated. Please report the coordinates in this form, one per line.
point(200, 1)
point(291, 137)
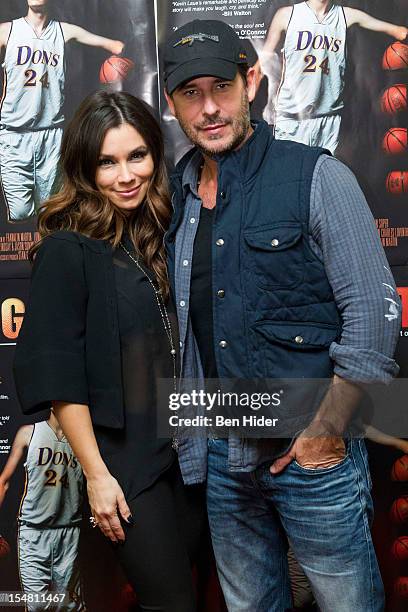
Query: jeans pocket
point(323, 470)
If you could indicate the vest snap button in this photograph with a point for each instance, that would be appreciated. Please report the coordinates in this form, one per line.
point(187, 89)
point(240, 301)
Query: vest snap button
point(299, 340)
point(275, 242)
point(223, 344)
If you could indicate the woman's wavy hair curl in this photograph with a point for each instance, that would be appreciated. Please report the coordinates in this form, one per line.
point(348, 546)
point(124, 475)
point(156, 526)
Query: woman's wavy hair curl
point(79, 206)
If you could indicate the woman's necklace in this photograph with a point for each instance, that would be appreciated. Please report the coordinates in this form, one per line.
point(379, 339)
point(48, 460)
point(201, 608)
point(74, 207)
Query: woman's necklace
point(163, 312)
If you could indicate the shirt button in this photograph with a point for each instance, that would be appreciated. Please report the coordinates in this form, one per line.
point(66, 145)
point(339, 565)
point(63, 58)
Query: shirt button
point(223, 344)
point(221, 293)
point(185, 262)
point(192, 220)
point(223, 195)
point(299, 340)
point(182, 303)
point(219, 242)
point(275, 242)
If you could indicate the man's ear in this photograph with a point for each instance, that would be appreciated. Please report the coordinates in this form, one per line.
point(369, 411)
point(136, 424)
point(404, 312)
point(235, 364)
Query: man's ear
point(251, 83)
point(170, 103)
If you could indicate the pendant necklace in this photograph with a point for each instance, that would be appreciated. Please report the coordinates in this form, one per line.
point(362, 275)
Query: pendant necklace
point(162, 309)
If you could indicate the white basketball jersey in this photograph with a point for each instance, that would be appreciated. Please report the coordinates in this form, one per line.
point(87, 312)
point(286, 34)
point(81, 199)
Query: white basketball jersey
point(53, 488)
point(34, 77)
point(314, 62)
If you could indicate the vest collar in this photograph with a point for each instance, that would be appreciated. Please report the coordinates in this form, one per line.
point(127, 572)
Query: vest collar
point(250, 156)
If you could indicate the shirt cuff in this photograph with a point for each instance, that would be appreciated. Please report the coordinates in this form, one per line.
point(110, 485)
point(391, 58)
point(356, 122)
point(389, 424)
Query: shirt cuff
point(362, 365)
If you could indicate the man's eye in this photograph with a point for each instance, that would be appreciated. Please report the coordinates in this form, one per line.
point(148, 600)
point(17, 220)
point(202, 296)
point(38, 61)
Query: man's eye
point(190, 92)
point(223, 85)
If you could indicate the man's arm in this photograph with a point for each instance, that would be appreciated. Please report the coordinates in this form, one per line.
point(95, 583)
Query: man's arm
point(4, 33)
point(344, 237)
point(21, 441)
point(354, 16)
point(276, 30)
point(74, 32)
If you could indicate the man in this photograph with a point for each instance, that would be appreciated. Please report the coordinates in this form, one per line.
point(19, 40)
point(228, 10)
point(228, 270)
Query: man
point(31, 112)
point(49, 516)
point(309, 99)
point(277, 272)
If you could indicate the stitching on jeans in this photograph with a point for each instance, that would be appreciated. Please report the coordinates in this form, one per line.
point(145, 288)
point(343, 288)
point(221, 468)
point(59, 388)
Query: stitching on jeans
point(364, 507)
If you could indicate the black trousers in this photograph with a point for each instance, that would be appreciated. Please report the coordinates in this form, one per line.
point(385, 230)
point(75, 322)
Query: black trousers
point(169, 524)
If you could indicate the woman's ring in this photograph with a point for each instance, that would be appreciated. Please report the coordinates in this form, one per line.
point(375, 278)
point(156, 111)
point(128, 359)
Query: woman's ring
point(93, 521)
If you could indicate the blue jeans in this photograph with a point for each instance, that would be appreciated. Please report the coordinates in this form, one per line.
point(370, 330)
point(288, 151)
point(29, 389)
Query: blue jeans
point(324, 513)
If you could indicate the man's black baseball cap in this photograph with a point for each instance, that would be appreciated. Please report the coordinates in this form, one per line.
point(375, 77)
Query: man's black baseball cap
point(203, 47)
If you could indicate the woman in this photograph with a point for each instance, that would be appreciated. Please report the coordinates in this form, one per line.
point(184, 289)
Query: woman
point(99, 332)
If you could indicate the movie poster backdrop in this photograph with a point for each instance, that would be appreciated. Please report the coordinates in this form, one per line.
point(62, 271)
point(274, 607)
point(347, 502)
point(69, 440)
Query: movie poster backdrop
point(372, 141)
point(373, 131)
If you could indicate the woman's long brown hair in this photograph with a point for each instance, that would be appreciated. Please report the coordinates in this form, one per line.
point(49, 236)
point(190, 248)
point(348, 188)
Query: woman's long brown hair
point(80, 207)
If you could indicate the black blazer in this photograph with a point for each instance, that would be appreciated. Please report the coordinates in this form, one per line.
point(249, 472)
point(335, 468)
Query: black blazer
point(68, 347)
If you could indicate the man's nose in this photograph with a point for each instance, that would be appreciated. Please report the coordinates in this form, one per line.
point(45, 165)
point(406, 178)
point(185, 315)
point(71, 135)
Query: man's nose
point(210, 106)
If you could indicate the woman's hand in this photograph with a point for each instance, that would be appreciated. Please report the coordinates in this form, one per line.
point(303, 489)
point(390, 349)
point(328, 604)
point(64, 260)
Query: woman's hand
point(105, 495)
point(105, 499)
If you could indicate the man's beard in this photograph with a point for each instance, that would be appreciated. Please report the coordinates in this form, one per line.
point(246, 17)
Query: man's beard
point(240, 127)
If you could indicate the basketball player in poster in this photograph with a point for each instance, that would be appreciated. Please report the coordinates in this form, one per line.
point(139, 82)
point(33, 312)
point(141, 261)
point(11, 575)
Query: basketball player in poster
point(49, 516)
point(31, 111)
point(309, 100)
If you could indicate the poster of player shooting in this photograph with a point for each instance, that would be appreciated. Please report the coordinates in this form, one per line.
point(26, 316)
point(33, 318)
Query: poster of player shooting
point(330, 73)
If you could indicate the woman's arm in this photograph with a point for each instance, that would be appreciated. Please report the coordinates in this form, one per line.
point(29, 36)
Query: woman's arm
point(50, 366)
point(105, 495)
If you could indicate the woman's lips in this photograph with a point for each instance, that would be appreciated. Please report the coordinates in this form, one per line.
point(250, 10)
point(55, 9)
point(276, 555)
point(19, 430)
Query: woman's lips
point(129, 193)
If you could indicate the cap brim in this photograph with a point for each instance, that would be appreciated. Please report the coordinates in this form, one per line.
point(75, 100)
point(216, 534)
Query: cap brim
point(200, 67)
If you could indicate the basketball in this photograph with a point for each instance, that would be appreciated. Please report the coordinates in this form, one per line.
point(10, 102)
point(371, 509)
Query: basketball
point(397, 182)
point(400, 548)
point(400, 468)
point(394, 99)
point(401, 586)
point(115, 69)
point(395, 141)
point(395, 57)
point(4, 547)
point(399, 510)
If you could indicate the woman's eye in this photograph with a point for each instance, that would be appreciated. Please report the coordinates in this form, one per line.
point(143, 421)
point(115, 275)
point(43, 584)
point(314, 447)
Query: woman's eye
point(104, 162)
point(138, 155)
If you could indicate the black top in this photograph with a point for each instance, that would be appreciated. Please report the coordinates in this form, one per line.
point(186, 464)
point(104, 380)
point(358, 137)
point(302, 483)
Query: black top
point(135, 455)
point(201, 305)
point(92, 334)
